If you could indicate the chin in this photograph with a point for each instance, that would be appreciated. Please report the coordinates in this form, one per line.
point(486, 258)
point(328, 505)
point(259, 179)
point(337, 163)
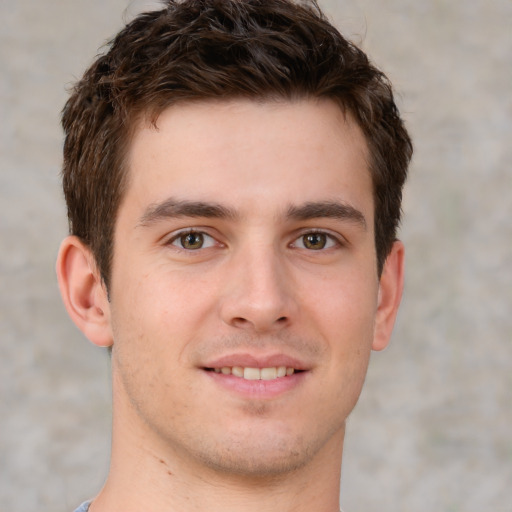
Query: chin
point(256, 465)
point(258, 455)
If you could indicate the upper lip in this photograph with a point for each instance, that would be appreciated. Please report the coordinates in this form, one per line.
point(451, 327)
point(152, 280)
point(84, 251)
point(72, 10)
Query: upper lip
point(247, 360)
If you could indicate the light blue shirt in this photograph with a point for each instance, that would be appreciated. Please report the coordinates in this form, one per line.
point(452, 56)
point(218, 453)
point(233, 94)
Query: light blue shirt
point(84, 507)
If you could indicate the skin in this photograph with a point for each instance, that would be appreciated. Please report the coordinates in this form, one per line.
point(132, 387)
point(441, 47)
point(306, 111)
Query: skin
point(276, 199)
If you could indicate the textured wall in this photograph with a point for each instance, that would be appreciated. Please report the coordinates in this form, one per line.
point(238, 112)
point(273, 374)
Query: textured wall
point(432, 429)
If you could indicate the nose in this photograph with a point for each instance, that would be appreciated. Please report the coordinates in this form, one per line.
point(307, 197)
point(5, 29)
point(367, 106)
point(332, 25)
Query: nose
point(258, 292)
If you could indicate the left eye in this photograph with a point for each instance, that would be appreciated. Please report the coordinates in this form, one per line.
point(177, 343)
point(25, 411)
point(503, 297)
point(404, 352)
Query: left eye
point(193, 240)
point(315, 241)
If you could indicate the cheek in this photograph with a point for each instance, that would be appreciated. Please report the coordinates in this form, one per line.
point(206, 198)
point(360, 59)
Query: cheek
point(160, 313)
point(344, 306)
point(344, 316)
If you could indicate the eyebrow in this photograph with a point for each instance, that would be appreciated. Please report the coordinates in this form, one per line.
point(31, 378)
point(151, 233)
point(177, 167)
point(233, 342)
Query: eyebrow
point(327, 209)
point(172, 208)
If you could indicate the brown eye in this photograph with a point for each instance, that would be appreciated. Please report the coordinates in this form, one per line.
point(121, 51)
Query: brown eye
point(191, 241)
point(314, 241)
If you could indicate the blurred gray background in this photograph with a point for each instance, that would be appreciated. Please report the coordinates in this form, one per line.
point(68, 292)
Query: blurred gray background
point(432, 429)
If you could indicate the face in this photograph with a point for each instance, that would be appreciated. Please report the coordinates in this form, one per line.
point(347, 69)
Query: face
point(244, 286)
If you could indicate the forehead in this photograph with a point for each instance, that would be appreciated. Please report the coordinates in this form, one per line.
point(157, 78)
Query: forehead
point(246, 153)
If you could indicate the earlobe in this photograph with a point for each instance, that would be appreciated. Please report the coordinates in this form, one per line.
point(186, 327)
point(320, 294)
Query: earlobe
point(390, 294)
point(83, 291)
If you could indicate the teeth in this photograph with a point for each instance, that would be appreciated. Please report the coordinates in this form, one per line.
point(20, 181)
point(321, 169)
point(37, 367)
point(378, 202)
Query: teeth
point(248, 373)
point(252, 374)
point(237, 371)
point(268, 373)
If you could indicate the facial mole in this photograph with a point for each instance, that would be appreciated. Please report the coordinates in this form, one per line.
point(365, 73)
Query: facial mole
point(162, 461)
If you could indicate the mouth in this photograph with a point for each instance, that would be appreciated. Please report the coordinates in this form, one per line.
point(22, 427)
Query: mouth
point(252, 373)
point(257, 376)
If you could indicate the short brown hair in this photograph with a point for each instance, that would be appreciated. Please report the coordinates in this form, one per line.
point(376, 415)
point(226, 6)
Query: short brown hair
point(216, 49)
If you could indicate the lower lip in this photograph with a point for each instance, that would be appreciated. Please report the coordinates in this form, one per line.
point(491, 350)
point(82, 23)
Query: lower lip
point(259, 389)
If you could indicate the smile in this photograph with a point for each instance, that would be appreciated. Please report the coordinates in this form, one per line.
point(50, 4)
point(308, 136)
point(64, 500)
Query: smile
point(248, 373)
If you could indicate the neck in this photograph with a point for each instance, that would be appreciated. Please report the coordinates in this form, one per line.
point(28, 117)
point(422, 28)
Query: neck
point(146, 474)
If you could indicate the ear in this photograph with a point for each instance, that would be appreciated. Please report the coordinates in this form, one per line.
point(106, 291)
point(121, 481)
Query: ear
point(390, 293)
point(83, 291)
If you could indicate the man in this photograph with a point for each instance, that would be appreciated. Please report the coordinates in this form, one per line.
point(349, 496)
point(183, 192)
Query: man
point(233, 174)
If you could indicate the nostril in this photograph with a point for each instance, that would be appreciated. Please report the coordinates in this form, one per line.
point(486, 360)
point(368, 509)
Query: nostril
point(241, 322)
